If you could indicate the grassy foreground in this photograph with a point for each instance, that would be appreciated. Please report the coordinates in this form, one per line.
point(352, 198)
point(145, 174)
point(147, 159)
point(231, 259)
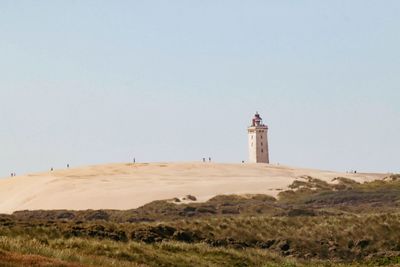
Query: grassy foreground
point(313, 224)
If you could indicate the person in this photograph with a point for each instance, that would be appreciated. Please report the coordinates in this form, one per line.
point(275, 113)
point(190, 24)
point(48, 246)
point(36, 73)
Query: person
point(209, 159)
point(51, 169)
point(67, 165)
point(204, 159)
point(12, 174)
point(134, 160)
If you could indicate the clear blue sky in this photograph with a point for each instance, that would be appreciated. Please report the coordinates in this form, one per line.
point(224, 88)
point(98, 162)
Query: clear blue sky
point(87, 82)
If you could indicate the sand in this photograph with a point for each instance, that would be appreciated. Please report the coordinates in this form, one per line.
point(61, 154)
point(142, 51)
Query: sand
point(127, 186)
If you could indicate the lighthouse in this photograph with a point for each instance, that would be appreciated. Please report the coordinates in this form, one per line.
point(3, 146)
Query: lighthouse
point(258, 140)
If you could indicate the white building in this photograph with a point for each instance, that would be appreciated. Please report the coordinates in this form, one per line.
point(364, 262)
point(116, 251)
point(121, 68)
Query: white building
point(258, 141)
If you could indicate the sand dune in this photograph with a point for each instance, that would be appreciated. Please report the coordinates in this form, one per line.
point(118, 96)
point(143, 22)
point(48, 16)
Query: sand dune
point(126, 186)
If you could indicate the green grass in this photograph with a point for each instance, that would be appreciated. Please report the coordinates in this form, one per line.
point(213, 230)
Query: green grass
point(344, 238)
point(111, 253)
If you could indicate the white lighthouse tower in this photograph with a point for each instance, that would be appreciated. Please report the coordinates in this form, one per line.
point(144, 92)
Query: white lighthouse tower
point(258, 141)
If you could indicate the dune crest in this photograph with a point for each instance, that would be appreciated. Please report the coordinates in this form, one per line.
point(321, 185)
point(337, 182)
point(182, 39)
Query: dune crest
point(127, 186)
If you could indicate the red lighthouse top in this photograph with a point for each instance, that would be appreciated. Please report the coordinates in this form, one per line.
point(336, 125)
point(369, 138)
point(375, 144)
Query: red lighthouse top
point(257, 120)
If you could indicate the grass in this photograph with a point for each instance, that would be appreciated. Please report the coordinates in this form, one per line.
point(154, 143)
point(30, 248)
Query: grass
point(112, 253)
point(84, 252)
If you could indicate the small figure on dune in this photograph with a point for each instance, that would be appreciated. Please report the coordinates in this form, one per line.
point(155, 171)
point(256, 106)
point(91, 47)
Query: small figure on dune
point(204, 159)
point(209, 159)
point(68, 166)
point(51, 169)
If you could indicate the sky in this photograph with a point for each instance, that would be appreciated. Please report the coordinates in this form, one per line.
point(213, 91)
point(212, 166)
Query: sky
point(92, 82)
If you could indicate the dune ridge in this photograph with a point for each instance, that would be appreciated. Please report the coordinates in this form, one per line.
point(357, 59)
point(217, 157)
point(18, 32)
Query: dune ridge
point(127, 185)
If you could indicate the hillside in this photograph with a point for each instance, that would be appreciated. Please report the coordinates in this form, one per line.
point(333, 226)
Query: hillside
point(128, 186)
point(313, 223)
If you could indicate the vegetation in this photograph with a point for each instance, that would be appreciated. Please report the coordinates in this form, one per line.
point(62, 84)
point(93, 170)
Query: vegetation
point(315, 223)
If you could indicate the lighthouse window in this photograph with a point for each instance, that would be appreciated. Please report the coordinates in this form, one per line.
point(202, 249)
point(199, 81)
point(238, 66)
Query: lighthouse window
point(261, 143)
point(262, 150)
point(261, 136)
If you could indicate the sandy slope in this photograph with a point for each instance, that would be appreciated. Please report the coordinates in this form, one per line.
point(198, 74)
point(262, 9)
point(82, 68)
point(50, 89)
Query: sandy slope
point(125, 186)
